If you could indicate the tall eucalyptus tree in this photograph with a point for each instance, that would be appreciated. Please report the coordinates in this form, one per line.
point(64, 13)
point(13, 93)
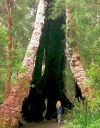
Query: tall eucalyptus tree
point(10, 110)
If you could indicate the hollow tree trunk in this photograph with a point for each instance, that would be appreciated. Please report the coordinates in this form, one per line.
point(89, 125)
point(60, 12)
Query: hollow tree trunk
point(51, 84)
point(11, 109)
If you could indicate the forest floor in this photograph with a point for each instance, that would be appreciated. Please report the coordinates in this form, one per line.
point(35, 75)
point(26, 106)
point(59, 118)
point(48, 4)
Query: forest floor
point(46, 124)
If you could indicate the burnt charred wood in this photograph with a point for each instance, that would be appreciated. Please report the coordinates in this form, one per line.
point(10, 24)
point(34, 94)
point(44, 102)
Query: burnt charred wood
point(50, 85)
point(78, 93)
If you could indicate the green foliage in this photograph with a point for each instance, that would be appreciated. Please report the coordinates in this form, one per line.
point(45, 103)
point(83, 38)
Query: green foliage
point(94, 75)
point(87, 30)
point(32, 85)
point(3, 44)
point(3, 12)
point(85, 116)
point(57, 9)
point(22, 22)
point(70, 85)
point(21, 31)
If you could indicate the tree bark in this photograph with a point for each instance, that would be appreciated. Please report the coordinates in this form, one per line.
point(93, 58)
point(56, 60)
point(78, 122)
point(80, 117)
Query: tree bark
point(11, 109)
point(74, 58)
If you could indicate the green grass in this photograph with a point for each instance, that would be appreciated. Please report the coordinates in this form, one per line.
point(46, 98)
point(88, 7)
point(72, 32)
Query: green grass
point(85, 117)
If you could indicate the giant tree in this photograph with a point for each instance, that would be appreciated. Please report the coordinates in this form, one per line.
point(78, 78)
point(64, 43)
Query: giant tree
point(10, 110)
point(43, 69)
point(49, 84)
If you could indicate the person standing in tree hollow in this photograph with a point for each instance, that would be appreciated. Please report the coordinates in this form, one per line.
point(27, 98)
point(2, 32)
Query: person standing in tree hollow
point(59, 111)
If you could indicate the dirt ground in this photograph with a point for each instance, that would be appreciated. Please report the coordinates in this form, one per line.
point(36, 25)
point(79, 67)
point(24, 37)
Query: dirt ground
point(46, 124)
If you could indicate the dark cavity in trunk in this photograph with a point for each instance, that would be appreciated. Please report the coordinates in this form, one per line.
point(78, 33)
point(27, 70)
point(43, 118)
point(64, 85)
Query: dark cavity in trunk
point(49, 86)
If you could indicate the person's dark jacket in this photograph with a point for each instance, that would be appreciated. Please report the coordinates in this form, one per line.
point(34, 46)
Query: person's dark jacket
point(59, 110)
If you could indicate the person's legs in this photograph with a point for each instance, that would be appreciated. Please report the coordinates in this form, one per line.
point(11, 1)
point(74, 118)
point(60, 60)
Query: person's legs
point(59, 119)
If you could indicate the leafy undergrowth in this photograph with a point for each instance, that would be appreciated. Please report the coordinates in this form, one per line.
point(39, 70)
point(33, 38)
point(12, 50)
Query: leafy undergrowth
point(85, 116)
point(1, 98)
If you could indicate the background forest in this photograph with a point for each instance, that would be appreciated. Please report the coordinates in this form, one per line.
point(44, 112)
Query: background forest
point(87, 23)
point(22, 20)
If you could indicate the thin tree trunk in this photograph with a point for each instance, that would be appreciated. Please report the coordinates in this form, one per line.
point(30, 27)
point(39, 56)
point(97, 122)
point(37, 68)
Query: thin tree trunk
point(8, 67)
point(11, 109)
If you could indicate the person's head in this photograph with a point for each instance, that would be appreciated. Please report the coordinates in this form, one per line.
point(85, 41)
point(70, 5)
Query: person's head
point(58, 104)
